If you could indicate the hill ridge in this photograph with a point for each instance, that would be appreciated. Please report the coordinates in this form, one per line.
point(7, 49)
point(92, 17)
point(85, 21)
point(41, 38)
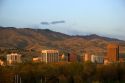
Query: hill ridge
point(28, 38)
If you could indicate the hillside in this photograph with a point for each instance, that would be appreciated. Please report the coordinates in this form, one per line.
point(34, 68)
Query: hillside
point(37, 39)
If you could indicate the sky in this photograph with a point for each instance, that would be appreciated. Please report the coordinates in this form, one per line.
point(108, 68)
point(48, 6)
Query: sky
point(82, 17)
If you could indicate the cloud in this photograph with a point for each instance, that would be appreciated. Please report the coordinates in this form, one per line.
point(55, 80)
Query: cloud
point(57, 22)
point(53, 22)
point(44, 23)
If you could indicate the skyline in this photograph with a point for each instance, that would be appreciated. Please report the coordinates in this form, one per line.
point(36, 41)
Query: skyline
point(102, 17)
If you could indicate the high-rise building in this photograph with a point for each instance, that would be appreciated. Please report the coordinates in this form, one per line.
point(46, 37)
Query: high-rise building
point(13, 58)
point(97, 59)
point(112, 52)
point(49, 56)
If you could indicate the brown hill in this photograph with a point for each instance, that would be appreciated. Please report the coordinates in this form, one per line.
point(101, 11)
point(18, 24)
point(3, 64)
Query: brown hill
point(37, 39)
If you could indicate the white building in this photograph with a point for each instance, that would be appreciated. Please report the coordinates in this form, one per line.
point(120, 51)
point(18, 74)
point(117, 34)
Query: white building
point(50, 56)
point(97, 59)
point(13, 58)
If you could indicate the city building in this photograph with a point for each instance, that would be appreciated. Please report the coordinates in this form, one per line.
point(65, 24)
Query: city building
point(121, 57)
point(1, 63)
point(13, 58)
point(49, 56)
point(72, 57)
point(87, 57)
point(36, 59)
point(64, 57)
point(81, 58)
point(68, 57)
point(112, 53)
point(97, 59)
point(106, 61)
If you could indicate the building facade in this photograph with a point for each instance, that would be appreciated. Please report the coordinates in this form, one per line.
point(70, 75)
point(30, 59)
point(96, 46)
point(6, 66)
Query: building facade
point(64, 57)
point(1, 63)
point(36, 59)
point(49, 56)
point(13, 58)
point(97, 59)
point(122, 57)
point(72, 57)
point(112, 52)
point(87, 57)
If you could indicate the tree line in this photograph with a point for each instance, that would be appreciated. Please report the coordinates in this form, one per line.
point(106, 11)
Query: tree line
point(63, 73)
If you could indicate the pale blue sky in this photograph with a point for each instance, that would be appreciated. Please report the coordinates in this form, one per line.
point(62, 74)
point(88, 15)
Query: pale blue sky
point(103, 17)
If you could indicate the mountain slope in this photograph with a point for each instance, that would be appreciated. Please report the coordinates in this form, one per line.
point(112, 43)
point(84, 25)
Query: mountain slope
point(38, 39)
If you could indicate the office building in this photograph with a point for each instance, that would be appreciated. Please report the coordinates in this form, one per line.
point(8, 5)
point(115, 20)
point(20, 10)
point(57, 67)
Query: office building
point(13, 58)
point(49, 56)
point(87, 57)
point(97, 59)
point(112, 53)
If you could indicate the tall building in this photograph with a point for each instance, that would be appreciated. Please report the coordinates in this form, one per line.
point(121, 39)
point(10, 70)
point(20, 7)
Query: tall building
point(49, 56)
point(112, 52)
point(13, 58)
point(97, 59)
